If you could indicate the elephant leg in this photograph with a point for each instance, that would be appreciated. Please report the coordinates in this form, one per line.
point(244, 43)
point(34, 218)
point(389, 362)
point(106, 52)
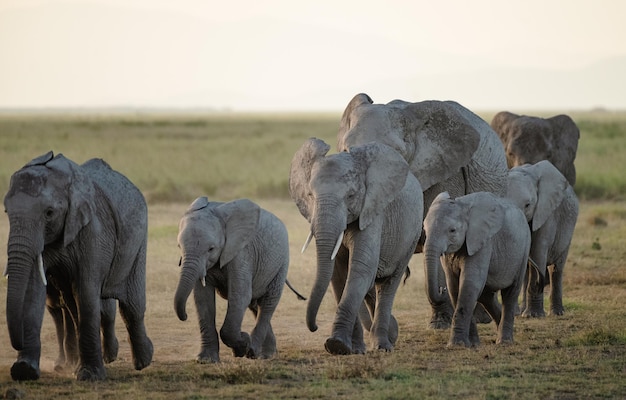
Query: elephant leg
point(481, 315)
point(239, 296)
point(463, 323)
point(110, 345)
point(204, 298)
point(141, 345)
point(505, 327)
point(556, 288)
point(534, 290)
point(489, 300)
point(385, 296)
point(338, 281)
point(57, 317)
point(263, 329)
point(91, 365)
point(70, 341)
point(132, 310)
point(366, 312)
point(357, 285)
point(26, 367)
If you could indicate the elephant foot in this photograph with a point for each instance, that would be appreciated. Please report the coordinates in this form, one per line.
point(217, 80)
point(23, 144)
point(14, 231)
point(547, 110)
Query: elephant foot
point(337, 347)
point(25, 370)
point(441, 316)
point(385, 347)
point(208, 358)
point(91, 373)
point(359, 347)
point(504, 341)
point(109, 352)
point(142, 356)
point(557, 311)
point(459, 343)
point(533, 313)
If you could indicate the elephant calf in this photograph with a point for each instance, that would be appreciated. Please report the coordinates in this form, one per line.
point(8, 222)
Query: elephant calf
point(485, 242)
point(551, 208)
point(242, 252)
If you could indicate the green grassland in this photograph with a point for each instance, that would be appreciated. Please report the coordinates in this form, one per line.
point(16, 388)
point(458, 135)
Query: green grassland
point(176, 157)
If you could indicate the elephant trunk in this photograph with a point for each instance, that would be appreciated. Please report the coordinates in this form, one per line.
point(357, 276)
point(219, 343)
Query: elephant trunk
point(23, 278)
point(432, 263)
point(189, 275)
point(328, 232)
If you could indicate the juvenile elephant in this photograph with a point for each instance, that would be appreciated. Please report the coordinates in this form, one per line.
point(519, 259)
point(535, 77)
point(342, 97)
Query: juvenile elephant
point(448, 148)
point(365, 210)
point(551, 208)
point(484, 241)
point(528, 140)
point(85, 229)
point(242, 252)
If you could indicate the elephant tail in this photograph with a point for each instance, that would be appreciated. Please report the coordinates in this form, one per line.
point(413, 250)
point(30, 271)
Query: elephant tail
point(298, 295)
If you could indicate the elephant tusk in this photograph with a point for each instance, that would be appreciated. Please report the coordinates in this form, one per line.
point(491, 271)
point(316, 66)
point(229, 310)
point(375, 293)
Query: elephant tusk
point(336, 249)
point(42, 273)
point(6, 271)
point(307, 242)
point(203, 281)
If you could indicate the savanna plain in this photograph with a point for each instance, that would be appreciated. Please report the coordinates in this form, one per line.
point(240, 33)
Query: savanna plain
point(174, 158)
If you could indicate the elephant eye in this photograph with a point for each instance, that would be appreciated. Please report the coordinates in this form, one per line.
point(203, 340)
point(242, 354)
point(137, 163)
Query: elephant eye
point(211, 249)
point(49, 213)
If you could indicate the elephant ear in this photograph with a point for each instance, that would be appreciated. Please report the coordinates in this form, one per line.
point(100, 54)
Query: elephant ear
point(385, 176)
point(446, 136)
point(346, 119)
point(241, 220)
point(485, 218)
point(81, 196)
point(300, 173)
point(551, 187)
point(41, 160)
point(198, 204)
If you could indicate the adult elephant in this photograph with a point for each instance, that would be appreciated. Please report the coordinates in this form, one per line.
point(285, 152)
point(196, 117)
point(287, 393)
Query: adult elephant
point(448, 149)
point(528, 140)
point(365, 210)
point(85, 227)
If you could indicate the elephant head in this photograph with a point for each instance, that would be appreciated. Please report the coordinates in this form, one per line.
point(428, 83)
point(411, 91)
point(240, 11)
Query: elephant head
point(211, 234)
point(528, 140)
point(537, 190)
point(335, 191)
point(452, 225)
point(48, 203)
point(436, 138)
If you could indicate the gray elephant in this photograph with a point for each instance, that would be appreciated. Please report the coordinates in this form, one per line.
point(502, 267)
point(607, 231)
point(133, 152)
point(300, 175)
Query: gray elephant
point(84, 228)
point(551, 208)
point(365, 210)
point(528, 140)
point(483, 241)
point(242, 252)
point(448, 148)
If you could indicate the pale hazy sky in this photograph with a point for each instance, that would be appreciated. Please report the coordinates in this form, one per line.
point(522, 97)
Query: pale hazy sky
point(312, 55)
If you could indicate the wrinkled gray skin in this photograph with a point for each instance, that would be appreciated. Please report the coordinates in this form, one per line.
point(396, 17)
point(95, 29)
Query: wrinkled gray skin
point(448, 148)
point(367, 205)
point(89, 224)
point(65, 317)
point(241, 252)
point(551, 208)
point(484, 241)
point(528, 140)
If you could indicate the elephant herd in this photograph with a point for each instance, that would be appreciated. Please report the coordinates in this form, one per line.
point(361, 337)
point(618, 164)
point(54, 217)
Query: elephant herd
point(491, 208)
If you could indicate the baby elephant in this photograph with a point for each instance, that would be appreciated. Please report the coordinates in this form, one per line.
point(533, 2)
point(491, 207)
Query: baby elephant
point(242, 252)
point(484, 240)
point(551, 208)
